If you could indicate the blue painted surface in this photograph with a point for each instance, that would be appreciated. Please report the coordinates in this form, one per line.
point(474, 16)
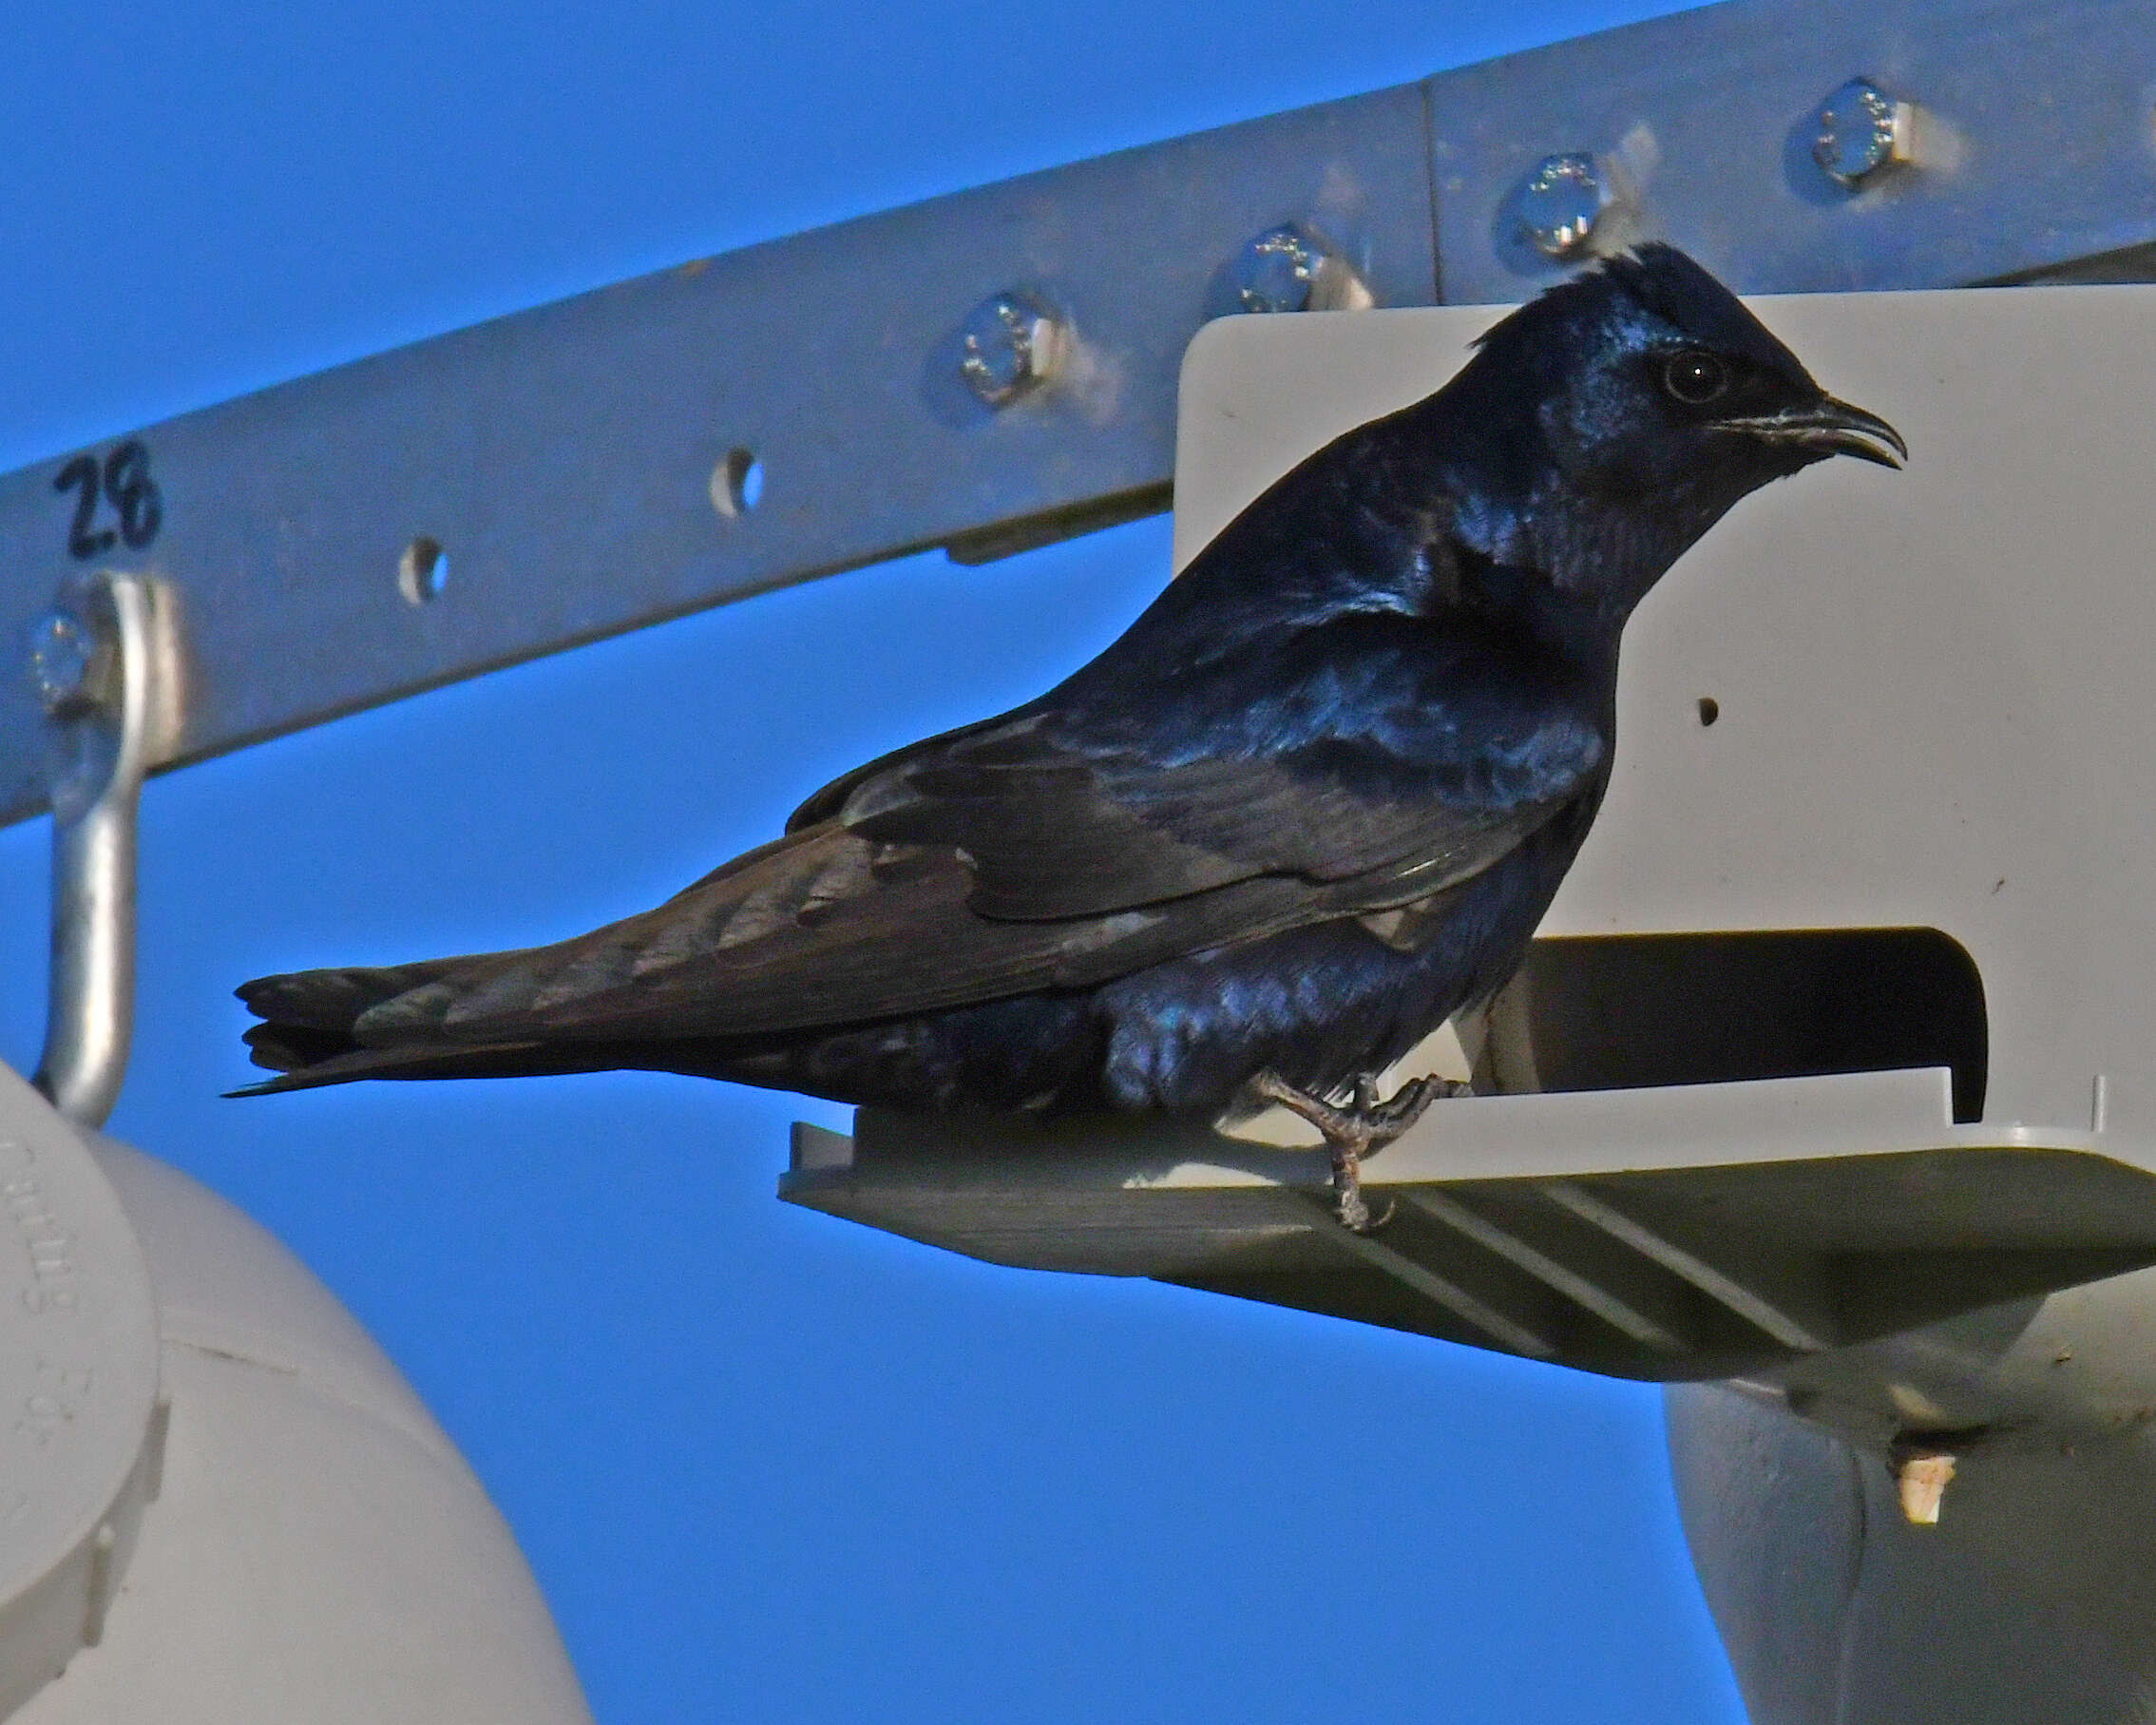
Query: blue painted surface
point(766, 1465)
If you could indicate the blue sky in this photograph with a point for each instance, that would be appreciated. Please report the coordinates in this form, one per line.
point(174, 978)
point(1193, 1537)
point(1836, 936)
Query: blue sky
point(766, 1465)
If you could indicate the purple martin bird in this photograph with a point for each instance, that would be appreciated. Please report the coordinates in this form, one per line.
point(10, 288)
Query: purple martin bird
point(1310, 804)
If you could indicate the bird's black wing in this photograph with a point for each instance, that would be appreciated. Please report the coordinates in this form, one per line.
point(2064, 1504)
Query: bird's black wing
point(1373, 746)
point(1341, 769)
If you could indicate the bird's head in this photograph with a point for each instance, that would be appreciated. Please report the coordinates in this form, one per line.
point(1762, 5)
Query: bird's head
point(1651, 369)
point(1654, 394)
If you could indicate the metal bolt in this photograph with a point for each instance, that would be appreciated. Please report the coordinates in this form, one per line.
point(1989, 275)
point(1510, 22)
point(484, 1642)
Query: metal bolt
point(1278, 271)
point(1011, 344)
point(1289, 269)
point(1861, 131)
point(1561, 201)
point(64, 656)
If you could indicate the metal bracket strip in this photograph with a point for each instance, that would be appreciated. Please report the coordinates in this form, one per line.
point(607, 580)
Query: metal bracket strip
point(703, 434)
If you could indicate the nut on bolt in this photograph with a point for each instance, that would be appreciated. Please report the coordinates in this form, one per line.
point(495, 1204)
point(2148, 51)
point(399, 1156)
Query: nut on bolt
point(1862, 130)
point(1011, 342)
point(1289, 269)
point(1561, 201)
point(65, 663)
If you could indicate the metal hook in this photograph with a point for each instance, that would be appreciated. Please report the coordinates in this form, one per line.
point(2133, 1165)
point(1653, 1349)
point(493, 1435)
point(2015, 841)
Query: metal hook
point(103, 662)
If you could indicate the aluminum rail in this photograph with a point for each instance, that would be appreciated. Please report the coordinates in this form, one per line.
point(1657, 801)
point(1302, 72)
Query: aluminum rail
point(997, 369)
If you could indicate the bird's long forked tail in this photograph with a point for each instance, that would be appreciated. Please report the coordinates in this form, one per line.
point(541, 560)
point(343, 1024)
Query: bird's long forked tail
point(306, 1033)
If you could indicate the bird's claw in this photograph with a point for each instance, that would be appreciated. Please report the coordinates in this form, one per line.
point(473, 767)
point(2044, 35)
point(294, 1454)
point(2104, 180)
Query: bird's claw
point(1352, 1133)
point(1354, 1209)
point(1390, 1118)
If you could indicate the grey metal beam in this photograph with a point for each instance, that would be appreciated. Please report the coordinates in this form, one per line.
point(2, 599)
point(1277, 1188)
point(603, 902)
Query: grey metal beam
point(574, 464)
point(591, 466)
point(2030, 133)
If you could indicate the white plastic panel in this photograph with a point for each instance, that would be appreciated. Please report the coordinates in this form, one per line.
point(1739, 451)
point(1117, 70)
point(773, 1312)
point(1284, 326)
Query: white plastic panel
point(220, 1503)
point(319, 1553)
point(80, 1426)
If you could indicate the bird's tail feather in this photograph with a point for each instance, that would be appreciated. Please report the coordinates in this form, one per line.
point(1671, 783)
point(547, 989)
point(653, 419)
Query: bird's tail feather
point(307, 1018)
point(306, 1033)
point(510, 1059)
point(330, 1000)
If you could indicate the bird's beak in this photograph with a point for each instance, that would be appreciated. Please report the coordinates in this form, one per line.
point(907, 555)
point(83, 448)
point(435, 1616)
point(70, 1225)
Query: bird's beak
point(1830, 427)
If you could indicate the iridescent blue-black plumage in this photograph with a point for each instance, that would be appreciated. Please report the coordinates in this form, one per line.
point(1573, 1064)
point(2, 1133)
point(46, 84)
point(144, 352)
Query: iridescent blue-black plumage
point(1311, 803)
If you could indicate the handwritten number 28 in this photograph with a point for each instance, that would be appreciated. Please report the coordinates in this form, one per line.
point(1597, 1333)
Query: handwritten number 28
point(122, 479)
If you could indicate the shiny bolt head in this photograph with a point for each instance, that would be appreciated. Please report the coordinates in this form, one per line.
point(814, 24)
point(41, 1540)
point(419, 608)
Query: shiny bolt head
point(63, 662)
point(1278, 271)
point(1861, 131)
point(1010, 343)
point(1560, 203)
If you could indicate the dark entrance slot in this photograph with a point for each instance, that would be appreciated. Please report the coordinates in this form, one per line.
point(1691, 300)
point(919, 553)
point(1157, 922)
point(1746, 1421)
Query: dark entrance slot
point(1619, 1012)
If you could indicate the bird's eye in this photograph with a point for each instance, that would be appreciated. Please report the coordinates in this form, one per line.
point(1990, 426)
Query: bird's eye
point(1694, 378)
